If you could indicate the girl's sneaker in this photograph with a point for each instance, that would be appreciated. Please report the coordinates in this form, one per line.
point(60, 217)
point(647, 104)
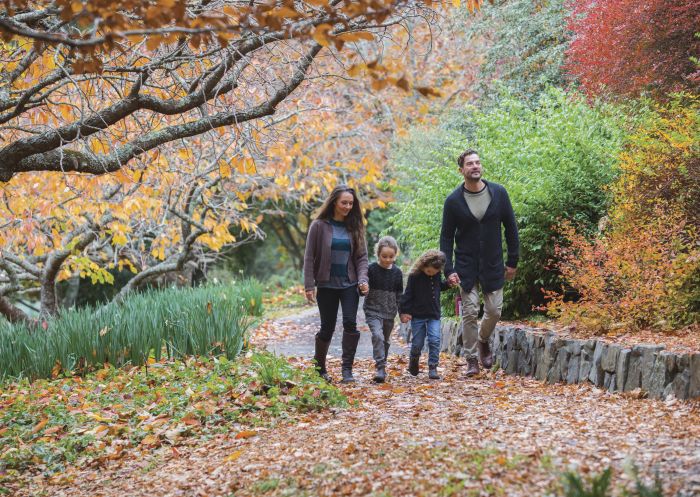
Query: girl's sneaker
point(432, 373)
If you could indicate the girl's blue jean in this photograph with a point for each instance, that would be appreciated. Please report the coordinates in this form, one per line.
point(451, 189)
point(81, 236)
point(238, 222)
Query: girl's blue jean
point(419, 329)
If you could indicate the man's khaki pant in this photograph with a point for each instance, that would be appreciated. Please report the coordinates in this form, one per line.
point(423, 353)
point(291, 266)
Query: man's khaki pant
point(493, 303)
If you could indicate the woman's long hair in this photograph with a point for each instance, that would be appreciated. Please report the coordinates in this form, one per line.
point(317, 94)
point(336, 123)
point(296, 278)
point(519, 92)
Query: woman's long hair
point(353, 221)
point(429, 258)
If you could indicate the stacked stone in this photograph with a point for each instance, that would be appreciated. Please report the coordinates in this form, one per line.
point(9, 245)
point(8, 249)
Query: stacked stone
point(616, 368)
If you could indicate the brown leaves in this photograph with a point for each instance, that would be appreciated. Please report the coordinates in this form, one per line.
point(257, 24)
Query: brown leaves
point(356, 36)
point(511, 435)
point(135, 20)
point(40, 425)
point(320, 34)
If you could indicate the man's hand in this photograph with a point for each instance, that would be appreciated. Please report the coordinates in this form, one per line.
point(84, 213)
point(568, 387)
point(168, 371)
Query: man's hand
point(453, 279)
point(311, 296)
point(510, 273)
point(364, 288)
point(405, 318)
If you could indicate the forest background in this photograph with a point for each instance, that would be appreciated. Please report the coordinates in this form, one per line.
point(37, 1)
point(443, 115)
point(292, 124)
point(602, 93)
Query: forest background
point(139, 169)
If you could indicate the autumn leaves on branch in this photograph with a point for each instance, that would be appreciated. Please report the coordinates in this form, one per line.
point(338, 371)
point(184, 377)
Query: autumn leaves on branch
point(78, 70)
point(178, 118)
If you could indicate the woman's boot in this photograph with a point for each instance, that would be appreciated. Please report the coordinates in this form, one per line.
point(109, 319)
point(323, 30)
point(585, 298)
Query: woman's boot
point(350, 341)
point(320, 358)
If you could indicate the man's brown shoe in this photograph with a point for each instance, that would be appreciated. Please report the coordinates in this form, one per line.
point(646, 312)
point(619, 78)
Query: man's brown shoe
point(485, 355)
point(472, 366)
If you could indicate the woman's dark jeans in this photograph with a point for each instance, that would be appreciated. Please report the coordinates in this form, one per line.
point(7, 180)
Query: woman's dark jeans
point(328, 300)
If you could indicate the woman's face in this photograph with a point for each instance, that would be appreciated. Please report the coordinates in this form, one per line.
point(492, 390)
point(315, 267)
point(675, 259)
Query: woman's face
point(343, 205)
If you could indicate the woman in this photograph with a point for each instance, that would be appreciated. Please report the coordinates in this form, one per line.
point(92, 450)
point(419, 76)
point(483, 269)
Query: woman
point(335, 272)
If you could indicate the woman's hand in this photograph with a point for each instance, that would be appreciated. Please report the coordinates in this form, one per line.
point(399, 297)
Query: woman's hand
point(311, 296)
point(364, 288)
point(405, 318)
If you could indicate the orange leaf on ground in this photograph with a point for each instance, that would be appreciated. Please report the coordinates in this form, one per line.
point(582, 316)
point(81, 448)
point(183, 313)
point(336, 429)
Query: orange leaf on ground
point(245, 434)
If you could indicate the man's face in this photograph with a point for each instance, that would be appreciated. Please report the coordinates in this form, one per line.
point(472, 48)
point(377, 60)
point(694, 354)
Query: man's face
point(471, 168)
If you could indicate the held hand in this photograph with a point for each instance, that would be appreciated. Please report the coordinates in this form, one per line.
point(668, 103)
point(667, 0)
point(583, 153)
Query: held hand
point(510, 273)
point(453, 279)
point(405, 318)
point(311, 296)
point(364, 288)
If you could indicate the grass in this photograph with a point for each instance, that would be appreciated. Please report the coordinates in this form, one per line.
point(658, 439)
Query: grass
point(48, 425)
point(174, 323)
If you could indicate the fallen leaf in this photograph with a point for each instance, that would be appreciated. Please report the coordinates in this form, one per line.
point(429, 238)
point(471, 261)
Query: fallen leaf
point(233, 456)
point(150, 440)
point(40, 425)
point(245, 434)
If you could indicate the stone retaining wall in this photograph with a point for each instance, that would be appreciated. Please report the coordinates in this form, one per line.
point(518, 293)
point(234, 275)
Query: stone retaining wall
point(614, 367)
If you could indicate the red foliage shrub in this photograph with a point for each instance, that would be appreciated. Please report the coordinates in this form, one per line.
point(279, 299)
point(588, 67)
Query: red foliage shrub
point(626, 47)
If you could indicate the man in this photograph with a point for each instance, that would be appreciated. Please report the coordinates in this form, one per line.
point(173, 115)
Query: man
point(471, 228)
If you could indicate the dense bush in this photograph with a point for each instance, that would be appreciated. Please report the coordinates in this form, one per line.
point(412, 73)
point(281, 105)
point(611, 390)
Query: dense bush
point(644, 268)
point(525, 42)
point(196, 321)
point(553, 157)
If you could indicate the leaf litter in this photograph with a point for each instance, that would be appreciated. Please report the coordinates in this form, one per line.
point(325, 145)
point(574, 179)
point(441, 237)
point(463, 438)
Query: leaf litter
point(489, 435)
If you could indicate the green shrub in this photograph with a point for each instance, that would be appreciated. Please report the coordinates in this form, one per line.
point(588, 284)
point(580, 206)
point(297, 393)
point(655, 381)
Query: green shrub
point(554, 158)
point(575, 486)
point(210, 320)
point(599, 485)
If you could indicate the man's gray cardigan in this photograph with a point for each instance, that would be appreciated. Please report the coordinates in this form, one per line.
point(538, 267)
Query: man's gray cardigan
point(317, 256)
point(478, 254)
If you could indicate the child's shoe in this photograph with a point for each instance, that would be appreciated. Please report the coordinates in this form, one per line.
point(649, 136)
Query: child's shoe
point(380, 375)
point(432, 373)
point(413, 365)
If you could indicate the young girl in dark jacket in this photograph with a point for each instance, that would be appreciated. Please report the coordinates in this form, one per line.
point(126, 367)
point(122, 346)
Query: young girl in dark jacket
point(420, 304)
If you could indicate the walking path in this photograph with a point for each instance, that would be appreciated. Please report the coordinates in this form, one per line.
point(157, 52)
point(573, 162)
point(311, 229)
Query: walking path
point(493, 435)
point(294, 336)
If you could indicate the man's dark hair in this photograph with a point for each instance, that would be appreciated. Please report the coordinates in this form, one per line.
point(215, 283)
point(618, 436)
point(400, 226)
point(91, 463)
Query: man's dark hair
point(464, 155)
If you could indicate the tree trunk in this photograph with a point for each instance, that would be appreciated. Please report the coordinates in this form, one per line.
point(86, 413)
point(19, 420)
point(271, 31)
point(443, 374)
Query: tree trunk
point(12, 312)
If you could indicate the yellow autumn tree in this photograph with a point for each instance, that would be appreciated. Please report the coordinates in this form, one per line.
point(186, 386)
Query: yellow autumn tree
point(644, 268)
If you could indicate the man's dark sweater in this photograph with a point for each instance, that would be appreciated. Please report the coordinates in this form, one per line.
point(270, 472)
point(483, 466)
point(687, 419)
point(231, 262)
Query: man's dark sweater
point(385, 288)
point(477, 244)
point(422, 296)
